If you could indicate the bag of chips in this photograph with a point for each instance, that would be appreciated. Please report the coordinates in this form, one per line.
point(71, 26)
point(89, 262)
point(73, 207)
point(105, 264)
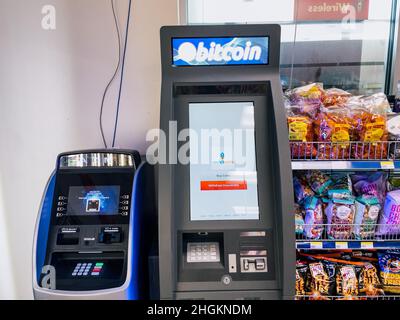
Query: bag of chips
point(341, 133)
point(323, 131)
point(368, 281)
point(375, 133)
point(393, 126)
point(335, 97)
point(308, 98)
point(377, 104)
point(346, 281)
point(340, 215)
point(330, 268)
point(373, 184)
point(369, 116)
point(299, 219)
point(301, 278)
point(318, 181)
point(389, 270)
point(319, 279)
point(300, 127)
point(389, 222)
point(341, 186)
point(314, 219)
point(301, 190)
point(393, 183)
point(366, 217)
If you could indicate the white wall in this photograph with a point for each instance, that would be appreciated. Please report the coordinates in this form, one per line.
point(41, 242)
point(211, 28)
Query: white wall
point(50, 91)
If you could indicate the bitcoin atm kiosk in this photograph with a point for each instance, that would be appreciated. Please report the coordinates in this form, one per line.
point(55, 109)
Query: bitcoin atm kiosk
point(87, 235)
point(226, 228)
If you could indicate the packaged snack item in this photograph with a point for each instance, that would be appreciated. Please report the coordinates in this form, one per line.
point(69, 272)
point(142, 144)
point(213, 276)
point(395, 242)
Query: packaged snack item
point(300, 128)
point(330, 268)
point(299, 219)
point(393, 126)
point(301, 190)
point(374, 135)
point(366, 217)
point(335, 97)
point(323, 131)
point(375, 129)
point(319, 279)
point(389, 222)
point(359, 115)
point(341, 186)
point(389, 270)
point(368, 281)
point(325, 203)
point(301, 278)
point(313, 222)
point(308, 98)
point(373, 184)
point(341, 134)
point(346, 281)
point(332, 129)
point(318, 181)
point(377, 104)
point(393, 183)
point(369, 116)
point(340, 215)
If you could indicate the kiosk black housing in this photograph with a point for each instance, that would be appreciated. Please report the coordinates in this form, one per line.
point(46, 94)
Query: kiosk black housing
point(256, 258)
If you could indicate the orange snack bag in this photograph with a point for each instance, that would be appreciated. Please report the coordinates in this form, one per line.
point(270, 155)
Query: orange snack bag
point(333, 127)
point(300, 127)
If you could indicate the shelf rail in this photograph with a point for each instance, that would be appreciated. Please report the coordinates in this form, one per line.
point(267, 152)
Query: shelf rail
point(321, 297)
point(347, 232)
point(345, 151)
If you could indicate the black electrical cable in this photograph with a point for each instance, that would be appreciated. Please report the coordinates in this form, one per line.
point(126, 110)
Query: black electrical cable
point(122, 73)
point(114, 75)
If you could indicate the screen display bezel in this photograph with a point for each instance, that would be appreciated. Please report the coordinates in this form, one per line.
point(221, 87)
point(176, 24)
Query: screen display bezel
point(71, 204)
point(67, 178)
point(221, 65)
point(191, 218)
point(182, 173)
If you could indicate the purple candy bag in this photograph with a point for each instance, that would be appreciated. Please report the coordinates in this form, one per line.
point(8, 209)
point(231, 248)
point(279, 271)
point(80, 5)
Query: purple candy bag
point(389, 222)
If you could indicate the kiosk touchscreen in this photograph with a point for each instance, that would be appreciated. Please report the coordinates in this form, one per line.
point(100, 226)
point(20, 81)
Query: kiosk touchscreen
point(86, 238)
point(225, 215)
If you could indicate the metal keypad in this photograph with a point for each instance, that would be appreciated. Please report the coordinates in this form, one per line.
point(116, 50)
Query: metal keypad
point(203, 252)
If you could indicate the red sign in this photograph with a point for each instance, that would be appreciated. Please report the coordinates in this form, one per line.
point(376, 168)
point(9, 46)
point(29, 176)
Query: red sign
point(223, 185)
point(331, 10)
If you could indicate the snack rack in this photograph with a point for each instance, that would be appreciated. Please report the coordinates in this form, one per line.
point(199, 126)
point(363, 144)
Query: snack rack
point(350, 157)
point(361, 298)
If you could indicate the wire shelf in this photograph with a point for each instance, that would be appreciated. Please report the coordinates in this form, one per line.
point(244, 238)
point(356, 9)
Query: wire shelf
point(345, 151)
point(347, 232)
point(320, 297)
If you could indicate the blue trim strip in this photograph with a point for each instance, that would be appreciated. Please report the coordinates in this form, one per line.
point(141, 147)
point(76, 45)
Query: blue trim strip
point(136, 211)
point(43, 228)
point(350, 245)
point(345, 165)
point(366, 165)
